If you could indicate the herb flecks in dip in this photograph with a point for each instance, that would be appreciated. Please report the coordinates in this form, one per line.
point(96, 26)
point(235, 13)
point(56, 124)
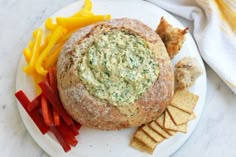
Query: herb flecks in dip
point(118, 67)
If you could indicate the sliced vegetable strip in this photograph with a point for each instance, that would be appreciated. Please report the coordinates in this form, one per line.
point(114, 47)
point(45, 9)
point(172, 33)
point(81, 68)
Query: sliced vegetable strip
point(87, 5)
point(52, 59)
point(56, 118)
point(53, 80)
point(74, 130)
point(34, 115)
point(57, 34)
point(54, 100)
point(67, 133)
point(27, 54)
point(34, 104)
point(78, 22)
point(46, 111)
point(60, 139)
point(50, 25)
point(35, 51)
point(86, 10)
point(77, 125)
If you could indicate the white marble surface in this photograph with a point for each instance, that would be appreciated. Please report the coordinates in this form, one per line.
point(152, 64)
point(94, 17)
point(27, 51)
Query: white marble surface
point(214, 136)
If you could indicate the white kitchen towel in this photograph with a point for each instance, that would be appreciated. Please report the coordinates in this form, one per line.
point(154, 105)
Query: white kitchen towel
point(214, 29)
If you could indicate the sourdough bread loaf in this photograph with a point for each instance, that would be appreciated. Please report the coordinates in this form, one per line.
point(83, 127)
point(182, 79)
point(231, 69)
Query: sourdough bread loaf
point(94, 112)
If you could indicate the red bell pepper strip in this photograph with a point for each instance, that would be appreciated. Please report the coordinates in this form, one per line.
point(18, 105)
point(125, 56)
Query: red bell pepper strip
point(77, 125)
point(46, 111)
point(34, 104)
point(60, 138)
point(54, 100)
point(35, 115)
point(56, 118)
point(53, 80)
point(67, 133)
point(74, 129)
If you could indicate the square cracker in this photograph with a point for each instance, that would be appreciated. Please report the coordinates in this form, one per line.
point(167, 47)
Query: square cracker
point(154, 135)
point(192, 116)
point(159, 130)
point(135, 143)
point(171, 132)
point(160, 122)
point(184, 100)
point(170, 125)
point(145, 138)
point(177, 115)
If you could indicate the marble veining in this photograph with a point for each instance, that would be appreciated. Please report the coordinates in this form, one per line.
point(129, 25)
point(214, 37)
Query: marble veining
point(214, 136)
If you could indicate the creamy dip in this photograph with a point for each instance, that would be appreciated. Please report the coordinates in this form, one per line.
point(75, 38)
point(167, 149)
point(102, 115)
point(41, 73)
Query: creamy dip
point(118, 67)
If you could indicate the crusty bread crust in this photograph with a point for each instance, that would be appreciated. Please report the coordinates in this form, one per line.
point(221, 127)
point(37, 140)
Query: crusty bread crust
point(95, 113)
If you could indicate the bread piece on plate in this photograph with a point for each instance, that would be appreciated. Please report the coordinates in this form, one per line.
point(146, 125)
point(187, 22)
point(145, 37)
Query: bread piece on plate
point(135, 143)
point(178, 116)
point(187, 70)
point(184, 100)
point(172, 37)
point(170, 125)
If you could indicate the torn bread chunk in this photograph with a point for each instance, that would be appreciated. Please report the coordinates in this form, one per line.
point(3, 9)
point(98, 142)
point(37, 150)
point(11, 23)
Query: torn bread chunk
point(172, 37)
point(187, 71)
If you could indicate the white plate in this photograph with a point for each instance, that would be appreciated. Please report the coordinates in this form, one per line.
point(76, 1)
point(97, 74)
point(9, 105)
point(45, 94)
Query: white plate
point(116, 143)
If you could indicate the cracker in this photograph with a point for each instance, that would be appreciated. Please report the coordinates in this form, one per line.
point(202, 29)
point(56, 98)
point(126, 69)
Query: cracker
point(135, 143)
point(159, 130)
point(170, 125)
point(160, 120)
point(154, 135)
point(147, 140)
point(192, 116)
point(171, 132)
point(177, 115)
point(184, 100)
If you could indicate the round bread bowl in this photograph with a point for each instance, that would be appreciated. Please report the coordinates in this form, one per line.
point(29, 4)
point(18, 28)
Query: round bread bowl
point(93, 112)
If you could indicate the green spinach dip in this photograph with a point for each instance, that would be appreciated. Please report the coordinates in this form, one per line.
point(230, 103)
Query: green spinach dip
point(118, 67)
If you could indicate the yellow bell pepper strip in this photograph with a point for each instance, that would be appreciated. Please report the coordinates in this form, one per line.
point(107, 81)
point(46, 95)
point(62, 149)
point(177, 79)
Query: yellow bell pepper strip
point(52, 59)
point(86, 10)
point(88, 5)
point(37, 78)
point(50, 25)
point(78, 22)
point(57, 34)
point(83, 12)
point(27, 54)
point(37, 34)
point(31, 44)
